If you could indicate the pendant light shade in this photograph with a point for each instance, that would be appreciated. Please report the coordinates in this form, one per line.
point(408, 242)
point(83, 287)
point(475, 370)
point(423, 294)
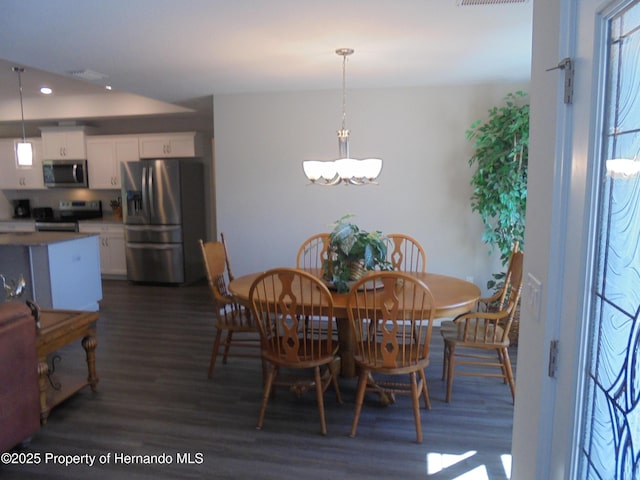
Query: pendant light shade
point(345, 170)
point(24, 150)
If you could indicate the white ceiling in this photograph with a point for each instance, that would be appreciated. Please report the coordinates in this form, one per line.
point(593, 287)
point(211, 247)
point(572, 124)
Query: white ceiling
point(176, 50)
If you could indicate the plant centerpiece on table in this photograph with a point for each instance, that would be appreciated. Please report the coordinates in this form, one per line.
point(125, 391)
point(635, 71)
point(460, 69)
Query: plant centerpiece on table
point(500, 181)
point(353, 251)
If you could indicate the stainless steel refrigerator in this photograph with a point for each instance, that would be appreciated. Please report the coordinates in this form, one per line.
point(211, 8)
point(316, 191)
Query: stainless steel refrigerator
point(163, 214)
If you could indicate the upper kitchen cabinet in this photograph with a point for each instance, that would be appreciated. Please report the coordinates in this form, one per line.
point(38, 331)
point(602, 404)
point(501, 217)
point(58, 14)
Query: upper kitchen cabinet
point(63, 143)
point(104, 154)
point(7, 163)
point(16, 177)
point(171, 145)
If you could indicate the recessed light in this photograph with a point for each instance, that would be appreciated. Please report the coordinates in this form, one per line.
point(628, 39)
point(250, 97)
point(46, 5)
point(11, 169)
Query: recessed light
point(46, 90)
point(108, 87)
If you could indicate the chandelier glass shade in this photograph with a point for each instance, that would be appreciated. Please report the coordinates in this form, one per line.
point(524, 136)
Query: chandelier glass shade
point(24, 150)
point(345, 170)
point(349, 171)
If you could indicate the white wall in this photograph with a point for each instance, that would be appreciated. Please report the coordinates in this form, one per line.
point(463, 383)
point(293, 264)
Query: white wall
point(266, 209)
point(560, 235)
point(531, 432)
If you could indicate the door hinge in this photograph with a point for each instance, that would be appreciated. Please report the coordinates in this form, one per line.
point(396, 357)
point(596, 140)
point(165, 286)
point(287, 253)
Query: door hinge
point(567, 66)
point(553, 358)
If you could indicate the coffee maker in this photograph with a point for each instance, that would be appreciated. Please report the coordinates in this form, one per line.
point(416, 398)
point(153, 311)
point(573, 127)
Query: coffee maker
point(21, 209)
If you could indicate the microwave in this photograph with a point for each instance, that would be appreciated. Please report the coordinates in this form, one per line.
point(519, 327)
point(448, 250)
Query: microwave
point(65, 173)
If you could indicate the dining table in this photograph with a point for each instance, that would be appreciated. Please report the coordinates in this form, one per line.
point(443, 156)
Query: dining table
point(452, 296)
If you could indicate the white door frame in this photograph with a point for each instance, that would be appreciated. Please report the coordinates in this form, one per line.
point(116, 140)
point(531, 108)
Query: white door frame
point(560, 236)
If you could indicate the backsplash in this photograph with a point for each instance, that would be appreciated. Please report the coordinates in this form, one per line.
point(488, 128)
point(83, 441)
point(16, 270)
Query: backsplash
point(52, 198)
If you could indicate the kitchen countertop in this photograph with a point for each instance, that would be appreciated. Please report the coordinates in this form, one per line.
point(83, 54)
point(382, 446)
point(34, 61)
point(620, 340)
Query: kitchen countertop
point(110, 220)
point(29, 239)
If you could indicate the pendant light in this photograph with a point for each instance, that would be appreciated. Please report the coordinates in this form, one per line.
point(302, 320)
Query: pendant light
point(24, 150)
point(346, 170)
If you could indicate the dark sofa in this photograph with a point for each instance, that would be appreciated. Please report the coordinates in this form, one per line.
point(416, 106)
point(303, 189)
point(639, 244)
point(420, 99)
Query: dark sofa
point(19, 391)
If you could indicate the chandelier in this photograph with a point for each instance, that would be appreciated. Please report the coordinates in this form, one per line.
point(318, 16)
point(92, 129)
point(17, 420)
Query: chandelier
point(24, 150)
point(346, 170)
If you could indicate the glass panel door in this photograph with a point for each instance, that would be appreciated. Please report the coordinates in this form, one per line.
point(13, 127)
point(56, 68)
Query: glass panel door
point(611, 411)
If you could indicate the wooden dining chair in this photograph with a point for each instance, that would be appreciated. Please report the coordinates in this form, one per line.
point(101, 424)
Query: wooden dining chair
point(470, 337)
point(498, 300)
point(294, 312)
point(391, 317)
point(231, 317)
point(493, 303)
point(405, 253)
point(313, 252)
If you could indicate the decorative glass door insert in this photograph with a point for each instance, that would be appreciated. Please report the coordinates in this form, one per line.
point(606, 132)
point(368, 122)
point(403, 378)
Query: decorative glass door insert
point(611, 429)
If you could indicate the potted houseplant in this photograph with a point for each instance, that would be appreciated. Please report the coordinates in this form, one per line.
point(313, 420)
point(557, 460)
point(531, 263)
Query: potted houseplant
point(500, 179)
point(353, 251)
point(116, 206)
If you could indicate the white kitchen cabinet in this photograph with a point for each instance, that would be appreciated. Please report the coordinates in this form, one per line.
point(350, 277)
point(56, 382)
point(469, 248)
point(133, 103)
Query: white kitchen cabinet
point(170, 145)
point(112, 247)
point(14, 226)
point(8, 164)
point(16, 177)
point(63, 143)
point(104, 155)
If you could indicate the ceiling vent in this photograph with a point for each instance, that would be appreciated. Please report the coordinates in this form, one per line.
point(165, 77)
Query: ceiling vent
point(87, 74)
point(470, 3)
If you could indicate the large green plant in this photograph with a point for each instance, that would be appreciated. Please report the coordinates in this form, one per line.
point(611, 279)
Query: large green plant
point(349, 245)
point(500, 179)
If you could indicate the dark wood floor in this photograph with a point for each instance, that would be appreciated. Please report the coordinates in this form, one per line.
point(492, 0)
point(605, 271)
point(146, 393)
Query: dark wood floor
point(154, 398)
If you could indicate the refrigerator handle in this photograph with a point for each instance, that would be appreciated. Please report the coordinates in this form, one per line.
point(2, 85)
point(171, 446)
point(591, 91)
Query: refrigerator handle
point(152, 209)
point(145, 199)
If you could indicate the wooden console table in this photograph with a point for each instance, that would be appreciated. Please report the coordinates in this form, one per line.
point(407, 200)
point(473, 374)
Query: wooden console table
point(59, 328)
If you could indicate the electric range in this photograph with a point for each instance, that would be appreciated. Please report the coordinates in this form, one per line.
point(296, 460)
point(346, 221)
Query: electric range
point(66, 218)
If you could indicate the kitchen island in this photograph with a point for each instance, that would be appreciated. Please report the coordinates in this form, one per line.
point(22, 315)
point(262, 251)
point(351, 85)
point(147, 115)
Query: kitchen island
point(61, 269)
